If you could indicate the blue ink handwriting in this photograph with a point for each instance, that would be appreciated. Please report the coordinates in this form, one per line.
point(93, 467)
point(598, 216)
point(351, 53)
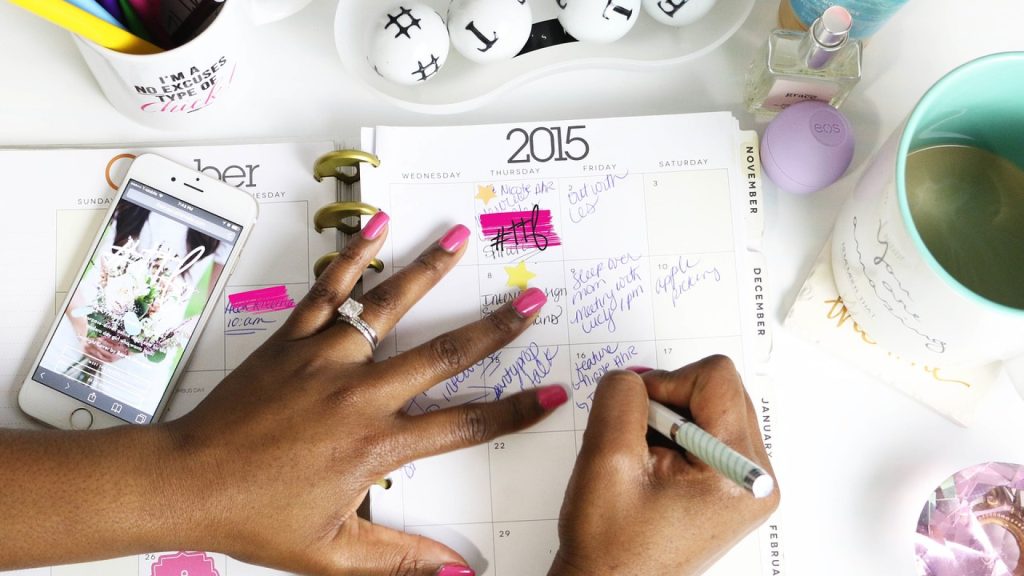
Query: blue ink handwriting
point(583, 201)
point(684, 276)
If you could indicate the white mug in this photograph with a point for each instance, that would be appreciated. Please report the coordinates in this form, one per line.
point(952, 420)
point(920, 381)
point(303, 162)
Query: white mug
point(179, 87)
point(889, 280)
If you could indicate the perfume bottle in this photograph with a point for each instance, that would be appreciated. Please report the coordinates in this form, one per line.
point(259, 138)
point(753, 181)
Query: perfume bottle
point(822, 64)
point(868, 15)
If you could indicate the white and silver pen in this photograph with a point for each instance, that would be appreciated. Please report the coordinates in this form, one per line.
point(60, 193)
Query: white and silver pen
point(710, 450)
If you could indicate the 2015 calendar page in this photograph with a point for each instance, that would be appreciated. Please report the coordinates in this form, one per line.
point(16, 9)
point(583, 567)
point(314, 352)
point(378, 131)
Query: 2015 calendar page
point(644, 235)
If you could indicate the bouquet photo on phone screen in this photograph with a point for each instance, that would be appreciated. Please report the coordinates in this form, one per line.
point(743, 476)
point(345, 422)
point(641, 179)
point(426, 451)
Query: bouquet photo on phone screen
point(138, 304)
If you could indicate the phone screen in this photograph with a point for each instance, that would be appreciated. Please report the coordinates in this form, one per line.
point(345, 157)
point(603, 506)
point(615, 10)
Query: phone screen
point(138, 303)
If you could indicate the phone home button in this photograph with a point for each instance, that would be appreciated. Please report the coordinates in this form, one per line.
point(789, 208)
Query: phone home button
point(81, 419)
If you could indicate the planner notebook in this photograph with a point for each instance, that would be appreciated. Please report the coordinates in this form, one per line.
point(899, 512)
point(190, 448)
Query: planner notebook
point(645, 233)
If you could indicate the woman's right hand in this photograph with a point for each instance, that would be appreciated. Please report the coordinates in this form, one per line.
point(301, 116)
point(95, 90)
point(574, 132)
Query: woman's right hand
point(642, 510)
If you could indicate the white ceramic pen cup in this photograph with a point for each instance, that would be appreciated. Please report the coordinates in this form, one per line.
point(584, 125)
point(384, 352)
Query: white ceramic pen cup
point(180, 87)
point(892, 284)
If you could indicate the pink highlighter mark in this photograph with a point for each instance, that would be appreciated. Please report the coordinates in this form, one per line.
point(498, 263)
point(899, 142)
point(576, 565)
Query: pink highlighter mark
point(520, 230)
point(191, 563)
point(262, 301)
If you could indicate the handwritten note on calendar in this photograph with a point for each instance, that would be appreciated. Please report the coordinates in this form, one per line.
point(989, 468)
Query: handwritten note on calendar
point(639, 230)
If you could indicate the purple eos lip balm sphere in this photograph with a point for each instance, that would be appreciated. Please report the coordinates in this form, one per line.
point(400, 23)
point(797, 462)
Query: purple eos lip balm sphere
point(807, 147)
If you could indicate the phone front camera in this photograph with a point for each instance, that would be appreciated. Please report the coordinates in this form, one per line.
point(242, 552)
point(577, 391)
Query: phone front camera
point(173, 179)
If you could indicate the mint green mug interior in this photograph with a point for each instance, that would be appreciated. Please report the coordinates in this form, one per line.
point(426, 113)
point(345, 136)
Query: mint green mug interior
point(979, 104)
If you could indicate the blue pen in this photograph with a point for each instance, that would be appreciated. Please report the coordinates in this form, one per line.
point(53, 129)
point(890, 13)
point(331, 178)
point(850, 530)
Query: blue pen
point(112, 7)
point(710, 450)
point(93, 7)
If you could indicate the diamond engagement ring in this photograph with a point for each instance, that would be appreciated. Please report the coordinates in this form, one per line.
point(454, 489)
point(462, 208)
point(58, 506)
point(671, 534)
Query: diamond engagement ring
point(349, 313)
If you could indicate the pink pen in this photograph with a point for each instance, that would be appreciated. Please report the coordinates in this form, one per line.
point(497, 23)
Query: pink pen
point(149, 12)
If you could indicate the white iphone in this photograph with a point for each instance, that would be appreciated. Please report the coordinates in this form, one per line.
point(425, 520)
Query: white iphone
point(152, 278)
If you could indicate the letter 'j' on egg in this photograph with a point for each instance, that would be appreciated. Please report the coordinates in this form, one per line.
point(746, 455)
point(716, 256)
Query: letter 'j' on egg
point(489, 30)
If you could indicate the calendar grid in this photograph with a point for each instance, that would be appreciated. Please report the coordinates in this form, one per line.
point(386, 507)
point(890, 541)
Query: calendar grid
point(570, 427)
point(646, 267)
point(531, 520)
point(490, 479)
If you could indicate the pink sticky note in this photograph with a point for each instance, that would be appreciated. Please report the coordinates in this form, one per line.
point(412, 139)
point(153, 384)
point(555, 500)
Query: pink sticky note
point(263, 300)
point(520, 230)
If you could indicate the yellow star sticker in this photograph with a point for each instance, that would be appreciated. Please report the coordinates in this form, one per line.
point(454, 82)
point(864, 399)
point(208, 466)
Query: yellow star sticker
point(519, 276)
point(485, 194)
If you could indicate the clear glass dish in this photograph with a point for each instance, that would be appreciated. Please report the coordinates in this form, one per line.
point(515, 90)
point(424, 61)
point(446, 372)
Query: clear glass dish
point(463, 85)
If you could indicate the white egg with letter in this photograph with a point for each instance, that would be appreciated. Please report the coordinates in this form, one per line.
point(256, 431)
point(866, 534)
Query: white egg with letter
point(601, 21)
point(489, 30)
point(409, 43)
point(678, 12)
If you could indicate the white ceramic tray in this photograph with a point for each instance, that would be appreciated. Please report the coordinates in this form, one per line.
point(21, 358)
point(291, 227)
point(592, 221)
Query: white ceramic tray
point(462, 85)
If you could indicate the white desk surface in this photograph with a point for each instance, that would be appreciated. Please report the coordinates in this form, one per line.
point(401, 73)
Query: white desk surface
point(856, 459)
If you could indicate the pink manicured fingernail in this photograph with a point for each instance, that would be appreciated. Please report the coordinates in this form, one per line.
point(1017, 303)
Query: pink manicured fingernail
point(375, 226)
point(640, 369)
point(529, 302)
point(455, 570)
point(453, 240)
point(551, 397)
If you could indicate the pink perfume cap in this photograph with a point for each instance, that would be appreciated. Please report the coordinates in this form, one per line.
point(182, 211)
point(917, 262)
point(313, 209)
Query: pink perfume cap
point(807, 147)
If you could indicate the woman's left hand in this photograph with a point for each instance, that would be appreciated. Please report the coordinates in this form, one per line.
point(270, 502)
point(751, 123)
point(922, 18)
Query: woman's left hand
point(275, 462)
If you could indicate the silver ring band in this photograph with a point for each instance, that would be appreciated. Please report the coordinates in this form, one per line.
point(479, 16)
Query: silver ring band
point(349, 313)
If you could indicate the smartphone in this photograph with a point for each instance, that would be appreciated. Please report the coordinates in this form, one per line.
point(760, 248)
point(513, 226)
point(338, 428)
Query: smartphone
point(152, 278)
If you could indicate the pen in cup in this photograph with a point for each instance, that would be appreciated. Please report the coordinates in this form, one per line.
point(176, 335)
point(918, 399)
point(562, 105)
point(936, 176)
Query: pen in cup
point(710, 450)
point(87, 26)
